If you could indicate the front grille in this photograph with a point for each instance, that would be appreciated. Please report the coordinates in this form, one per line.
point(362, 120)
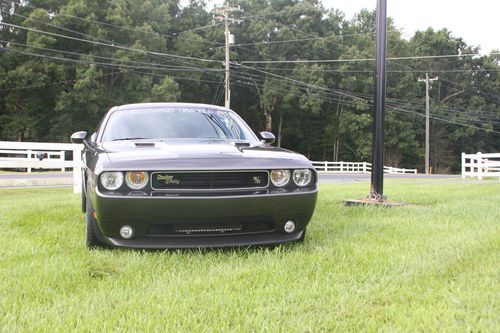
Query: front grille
point(209, 180)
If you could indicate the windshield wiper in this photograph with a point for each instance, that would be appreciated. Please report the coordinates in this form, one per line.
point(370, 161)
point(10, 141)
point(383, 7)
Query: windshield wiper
point(215, 121)
point(125, 139)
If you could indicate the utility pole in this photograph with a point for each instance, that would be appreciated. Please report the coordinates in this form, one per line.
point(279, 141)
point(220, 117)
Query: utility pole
point(224, 13)
point(427, 81)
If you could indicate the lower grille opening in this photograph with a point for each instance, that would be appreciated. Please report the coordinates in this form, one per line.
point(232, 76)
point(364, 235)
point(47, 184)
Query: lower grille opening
point(206, 194)
point(208, 228)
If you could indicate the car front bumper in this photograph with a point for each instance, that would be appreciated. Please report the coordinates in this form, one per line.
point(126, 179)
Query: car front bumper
point(191, 242)
point(142, 213)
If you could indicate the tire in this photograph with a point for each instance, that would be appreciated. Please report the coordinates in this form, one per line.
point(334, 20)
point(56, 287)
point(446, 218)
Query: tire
point(92, 240)
point(84, 199)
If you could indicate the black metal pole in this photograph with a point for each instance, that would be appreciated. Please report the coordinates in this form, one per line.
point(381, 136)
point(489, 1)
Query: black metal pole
point(377, 181)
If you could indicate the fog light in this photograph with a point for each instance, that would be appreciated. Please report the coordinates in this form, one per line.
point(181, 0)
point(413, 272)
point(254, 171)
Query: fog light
point(289, 226)
point(127, 232)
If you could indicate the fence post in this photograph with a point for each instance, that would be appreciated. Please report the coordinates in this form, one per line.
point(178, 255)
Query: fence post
point(77, 169)
point(62, 158)
point(463, 165)
point(341, 166)
point(326, 166)
point(479, 166)
point(29, 158)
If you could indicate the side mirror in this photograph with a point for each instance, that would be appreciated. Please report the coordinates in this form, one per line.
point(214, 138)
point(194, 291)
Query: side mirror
point(267, 137)
point(78, 137)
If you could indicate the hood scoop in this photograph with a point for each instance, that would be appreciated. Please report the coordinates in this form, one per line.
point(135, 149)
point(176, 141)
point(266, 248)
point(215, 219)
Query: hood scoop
point(241, 145)
point(144, 144)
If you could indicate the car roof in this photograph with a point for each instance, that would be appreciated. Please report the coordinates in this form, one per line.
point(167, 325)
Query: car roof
point(167, 105)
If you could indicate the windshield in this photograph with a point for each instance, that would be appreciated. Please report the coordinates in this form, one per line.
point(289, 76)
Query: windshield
point(175, 123)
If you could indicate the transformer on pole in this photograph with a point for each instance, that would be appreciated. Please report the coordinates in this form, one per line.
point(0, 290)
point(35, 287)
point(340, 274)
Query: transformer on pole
point(428, 82)
point(229, 39)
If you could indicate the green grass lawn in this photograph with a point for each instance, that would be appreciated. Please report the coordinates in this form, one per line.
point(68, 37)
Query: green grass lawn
point(430, 266)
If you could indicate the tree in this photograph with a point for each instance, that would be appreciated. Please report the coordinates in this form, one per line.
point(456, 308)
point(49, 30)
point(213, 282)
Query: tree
point(128, 51)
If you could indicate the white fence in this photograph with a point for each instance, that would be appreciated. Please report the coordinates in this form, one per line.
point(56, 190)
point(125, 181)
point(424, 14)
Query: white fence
point(481, 165)
point(24, 155)
point(355, 167)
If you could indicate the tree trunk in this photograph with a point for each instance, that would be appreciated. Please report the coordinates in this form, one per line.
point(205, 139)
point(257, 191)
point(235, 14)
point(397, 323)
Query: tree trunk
point(336, 150)
point(336, 131)
point(279, 129)
point(268, 112)
point(269, 119)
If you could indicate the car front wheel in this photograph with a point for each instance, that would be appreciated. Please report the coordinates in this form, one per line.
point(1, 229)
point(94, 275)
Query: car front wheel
point(301, 239)
point(92, 240)
point(84, 199)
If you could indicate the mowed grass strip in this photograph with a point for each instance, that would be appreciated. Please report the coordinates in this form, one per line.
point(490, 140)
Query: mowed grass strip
point(429, 266)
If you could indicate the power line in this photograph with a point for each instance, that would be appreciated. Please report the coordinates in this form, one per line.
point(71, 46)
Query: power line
point(73, 31)
point(52, 84)
point(321, 96)
point(444, 119)
point(398, 109)
point(326, 91)
point(343, 61)
point(82, 61)
point(496, 97)
point(155, 65)
point(296, 81)
point(302, 39)
point(300, 86)
point(136, 30)
point(108, 45)
point(388, 71)
point(83, 34)
point(277, 13)
point(199, 28)
point(472, 113)
point(174, 35)
point(86, 62)
point(363, 59)
point(299, 82)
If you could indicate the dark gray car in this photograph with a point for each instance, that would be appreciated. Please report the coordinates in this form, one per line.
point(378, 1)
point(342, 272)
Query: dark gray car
point(176, 175)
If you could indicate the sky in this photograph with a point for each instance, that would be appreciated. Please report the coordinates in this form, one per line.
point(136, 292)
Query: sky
point(477, 22)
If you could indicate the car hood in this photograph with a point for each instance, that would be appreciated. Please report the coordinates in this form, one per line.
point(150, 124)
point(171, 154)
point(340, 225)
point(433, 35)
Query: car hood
point(141, 155)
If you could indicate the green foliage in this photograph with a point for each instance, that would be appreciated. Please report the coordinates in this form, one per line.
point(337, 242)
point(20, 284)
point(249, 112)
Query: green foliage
point(320, 109)
point(166, 91)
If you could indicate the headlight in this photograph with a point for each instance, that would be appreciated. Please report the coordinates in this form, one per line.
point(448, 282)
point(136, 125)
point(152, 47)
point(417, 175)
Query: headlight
point(302, 177)
point(112, 180)
point(136, 180)
point(280, 177)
